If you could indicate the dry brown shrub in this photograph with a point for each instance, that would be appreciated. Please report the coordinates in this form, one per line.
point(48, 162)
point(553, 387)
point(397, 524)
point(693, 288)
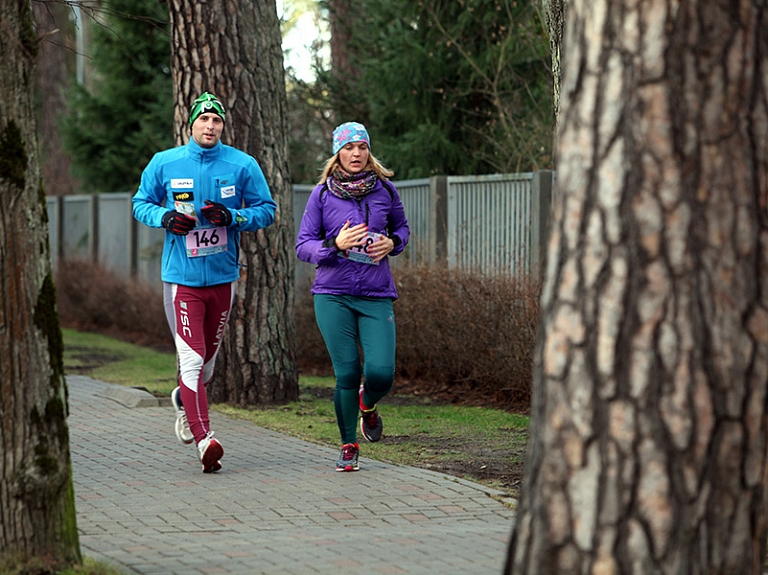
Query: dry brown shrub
point(465, 335)
point(312, 354)
point(93, 299)
point(460, 336)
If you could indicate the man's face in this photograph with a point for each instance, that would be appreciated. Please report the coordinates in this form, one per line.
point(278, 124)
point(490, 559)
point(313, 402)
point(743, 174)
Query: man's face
point(206, 130)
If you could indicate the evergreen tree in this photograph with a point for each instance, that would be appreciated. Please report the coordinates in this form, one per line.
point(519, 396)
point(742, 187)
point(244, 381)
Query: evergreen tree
point(115, 127)
point(449, 87)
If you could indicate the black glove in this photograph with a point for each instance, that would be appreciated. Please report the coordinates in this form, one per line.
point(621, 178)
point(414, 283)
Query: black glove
point(178, 223)
point(216, 213)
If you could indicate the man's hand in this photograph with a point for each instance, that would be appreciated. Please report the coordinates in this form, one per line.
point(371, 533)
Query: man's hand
point(216, 213)
point(178, 223)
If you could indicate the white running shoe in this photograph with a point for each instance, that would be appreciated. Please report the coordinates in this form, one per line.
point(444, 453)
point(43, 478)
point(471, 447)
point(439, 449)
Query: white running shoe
point(182, 425)
point(210, 452)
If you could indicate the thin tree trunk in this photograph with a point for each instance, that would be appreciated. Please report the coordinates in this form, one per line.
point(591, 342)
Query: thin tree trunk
point(233, 49)
point(338, 16)
point(554, 12)
point(54, 74)
point(648, 437)
point(37, 506)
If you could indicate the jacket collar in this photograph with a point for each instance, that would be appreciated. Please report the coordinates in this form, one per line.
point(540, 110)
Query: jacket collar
point(202, 154)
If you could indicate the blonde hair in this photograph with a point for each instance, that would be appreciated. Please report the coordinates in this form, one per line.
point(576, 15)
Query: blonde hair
point(333, 162)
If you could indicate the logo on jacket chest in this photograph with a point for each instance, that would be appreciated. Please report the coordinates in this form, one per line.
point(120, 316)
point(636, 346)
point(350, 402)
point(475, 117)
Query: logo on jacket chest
point(182, 183)
point(183, 196)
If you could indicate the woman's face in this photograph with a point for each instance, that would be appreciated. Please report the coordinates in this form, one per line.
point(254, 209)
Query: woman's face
point(354, 157)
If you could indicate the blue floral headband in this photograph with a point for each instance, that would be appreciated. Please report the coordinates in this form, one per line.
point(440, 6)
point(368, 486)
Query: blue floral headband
point(347, 133)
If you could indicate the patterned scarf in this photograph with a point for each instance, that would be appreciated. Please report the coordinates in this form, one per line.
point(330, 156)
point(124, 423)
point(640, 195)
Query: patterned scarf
point(348, 186)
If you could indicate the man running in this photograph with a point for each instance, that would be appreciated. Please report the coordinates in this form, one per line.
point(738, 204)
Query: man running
point(204, 194)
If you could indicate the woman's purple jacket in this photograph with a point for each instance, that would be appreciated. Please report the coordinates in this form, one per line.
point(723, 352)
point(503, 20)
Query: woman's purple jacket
point(324, 216)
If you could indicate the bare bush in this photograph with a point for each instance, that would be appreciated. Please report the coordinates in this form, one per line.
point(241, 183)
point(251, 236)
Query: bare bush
point(312, 353)
point(93, 299)
point(460, 336)
point(468, 335)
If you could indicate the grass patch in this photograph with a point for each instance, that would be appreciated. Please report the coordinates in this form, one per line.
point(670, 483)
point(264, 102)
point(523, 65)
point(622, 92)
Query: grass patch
point(475, 443)
point(116, 361)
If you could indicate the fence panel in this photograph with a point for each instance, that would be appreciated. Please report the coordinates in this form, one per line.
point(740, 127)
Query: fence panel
point(113, 222)
point(489, 223)
point(149, 252)
point(492, 224)
point(416, 196)
point(76, 222)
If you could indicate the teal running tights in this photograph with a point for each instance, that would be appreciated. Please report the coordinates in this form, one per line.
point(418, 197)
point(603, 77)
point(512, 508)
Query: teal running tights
point(347, 322)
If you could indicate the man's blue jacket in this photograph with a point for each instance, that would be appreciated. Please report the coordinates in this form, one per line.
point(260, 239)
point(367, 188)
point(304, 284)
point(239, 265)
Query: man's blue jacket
point(182, 179)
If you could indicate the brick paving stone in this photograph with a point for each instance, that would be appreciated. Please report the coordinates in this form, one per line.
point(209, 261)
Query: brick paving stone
point(278, 507)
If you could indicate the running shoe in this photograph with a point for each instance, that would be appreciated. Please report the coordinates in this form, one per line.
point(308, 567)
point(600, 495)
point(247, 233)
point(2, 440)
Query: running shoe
point(371, 425)
point(210, 452)
point(182, 425)
point(348, 458)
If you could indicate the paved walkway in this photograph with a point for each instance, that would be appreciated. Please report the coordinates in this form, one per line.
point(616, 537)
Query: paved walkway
point(276, 508)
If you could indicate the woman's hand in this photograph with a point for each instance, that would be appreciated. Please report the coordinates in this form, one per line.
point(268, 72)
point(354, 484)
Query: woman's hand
point(350, 237)
point(379, 249)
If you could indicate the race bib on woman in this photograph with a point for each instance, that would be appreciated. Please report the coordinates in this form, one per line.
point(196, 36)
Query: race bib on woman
point(360, 253)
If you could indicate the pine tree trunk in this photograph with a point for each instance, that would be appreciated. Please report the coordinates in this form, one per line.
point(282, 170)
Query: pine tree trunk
point(648, 436)
point(37, 506)
point(233, 49)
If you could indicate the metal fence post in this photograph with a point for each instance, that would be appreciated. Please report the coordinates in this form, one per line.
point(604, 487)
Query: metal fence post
point(93, 238)
point(53, 211)
point(541, 216)
point(438, 224)
point(133, 242)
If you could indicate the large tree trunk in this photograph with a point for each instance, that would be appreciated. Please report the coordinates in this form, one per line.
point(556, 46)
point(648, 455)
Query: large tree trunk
point(233, 49)
point(648, 438)
point(37, 506)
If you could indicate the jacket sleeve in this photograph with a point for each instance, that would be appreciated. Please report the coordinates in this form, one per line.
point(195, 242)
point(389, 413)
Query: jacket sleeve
point(398, 224)
point(148, 202)
point(259, 208)
point(312, 243)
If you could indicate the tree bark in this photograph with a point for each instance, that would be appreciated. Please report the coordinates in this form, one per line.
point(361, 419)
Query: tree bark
point(233, 49)
point(338, 14)
point(647, 449)
point(554, 13)
point(54, 73)
point(37, 506)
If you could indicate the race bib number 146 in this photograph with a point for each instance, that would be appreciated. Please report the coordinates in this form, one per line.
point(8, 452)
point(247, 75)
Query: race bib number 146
point(206, 241)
